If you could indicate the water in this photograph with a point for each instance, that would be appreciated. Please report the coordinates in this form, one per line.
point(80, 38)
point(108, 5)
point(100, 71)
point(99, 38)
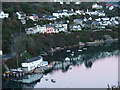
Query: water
point(87, 67)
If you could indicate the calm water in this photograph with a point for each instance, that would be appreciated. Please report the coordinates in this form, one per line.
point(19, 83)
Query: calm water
point(88, 67)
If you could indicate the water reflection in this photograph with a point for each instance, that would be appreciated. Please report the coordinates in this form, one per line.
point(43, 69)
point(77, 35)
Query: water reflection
point(78, 56)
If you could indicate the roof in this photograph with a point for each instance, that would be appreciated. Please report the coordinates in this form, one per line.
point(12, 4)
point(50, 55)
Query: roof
point(49, 16)
point(33, 15)
point(49, 26)
point(8, 56)
point(88, 22)
point(33, 59)
point(44, 62)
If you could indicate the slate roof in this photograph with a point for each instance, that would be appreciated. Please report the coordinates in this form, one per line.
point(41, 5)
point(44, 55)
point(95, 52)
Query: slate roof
point(33, 59)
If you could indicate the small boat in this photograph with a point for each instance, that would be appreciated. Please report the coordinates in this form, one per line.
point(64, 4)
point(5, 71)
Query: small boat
point(67, 59)
point(68, 50)
point(53, 81)
point(85, 48)
point(72, 54)
point(80, 50)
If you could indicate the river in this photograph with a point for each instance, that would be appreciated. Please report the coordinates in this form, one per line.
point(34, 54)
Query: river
point(81, 67)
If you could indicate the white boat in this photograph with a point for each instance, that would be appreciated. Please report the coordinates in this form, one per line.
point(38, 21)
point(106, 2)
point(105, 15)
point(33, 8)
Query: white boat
point(72, 54)
point(68, 50)
point(67, 59)
point(85, 48)
point(31, 78)
point(80, 50)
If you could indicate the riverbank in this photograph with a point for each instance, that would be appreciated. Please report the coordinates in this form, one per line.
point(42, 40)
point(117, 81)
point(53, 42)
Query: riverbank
point(38, 43)
point(81, 44)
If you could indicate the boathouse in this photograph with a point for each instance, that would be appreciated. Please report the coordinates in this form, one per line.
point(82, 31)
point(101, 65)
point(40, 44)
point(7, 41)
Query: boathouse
point(31, 64)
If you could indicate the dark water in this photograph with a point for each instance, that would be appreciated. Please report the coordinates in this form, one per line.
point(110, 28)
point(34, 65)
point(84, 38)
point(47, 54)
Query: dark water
point(88, 67)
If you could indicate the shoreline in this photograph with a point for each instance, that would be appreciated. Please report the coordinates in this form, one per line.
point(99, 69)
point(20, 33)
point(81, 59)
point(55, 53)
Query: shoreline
point(96, 42)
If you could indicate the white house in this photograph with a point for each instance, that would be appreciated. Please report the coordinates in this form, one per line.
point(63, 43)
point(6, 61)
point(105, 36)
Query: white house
point(21, 15)
point(31, 64)
point(75, 27)
point(105, 18)
point(79, 12)
point(34, 17)
point(106, 23)
point(96, 6)
point(1, 53)
point(78, 21)
point(91, 12)
point(42, 29)
point(110, 6)
point(98, 19)
point(101, 14)
point(77, 3)
point(36, 29)
point(61, 27)
point(49, 17)
point(90, 18)
point(65, 13)
point(60, 14)
point(3, 15)
point(32, 30)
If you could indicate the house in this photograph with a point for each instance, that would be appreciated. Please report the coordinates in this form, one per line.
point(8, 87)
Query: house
point(70, 13)
point(44, 63)
point(79, 12)
point(101, 14)
point(42, 29)
point(85, 19)
point(3, 15)
point(75, 27)
point(90, 18)
point(8, 56)
point(77, 3)
point(105, 18)
point(91, 12)
point(78, 21)
point(64, 12)
point(21, 16)
point(96, 6)
point(59, 14)
point(88, 24)
point(110, 6)
point(36, 29)
point(31, 64)
point(32, 30)
point(34, 17)
point(60, 27)
point(61, 2)
point(98, 19)
point(49, 17)
point(97, 24)
point(50, 29)
point(1, 53)
point(106, 23)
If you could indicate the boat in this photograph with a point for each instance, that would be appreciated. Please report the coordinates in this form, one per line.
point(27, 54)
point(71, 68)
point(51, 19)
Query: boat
point(79, 50)
point(85, 48)
point(49, 67)
point(30, 78)
point(67, 59)
point(39, 70)
point(68, 50)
